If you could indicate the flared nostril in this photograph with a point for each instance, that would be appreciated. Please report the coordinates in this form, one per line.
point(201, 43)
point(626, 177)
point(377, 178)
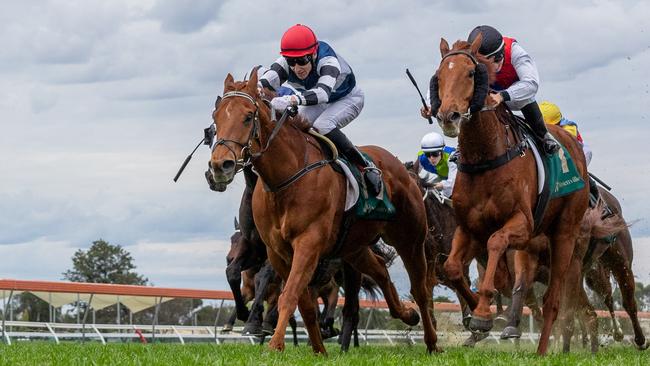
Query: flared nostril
point(453, 116)
point(228, 166)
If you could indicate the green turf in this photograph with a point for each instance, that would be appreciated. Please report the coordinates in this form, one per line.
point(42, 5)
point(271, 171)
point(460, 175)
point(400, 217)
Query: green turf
point(35, 353)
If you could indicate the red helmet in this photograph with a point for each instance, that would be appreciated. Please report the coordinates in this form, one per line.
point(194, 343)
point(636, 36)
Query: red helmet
point(298, 41)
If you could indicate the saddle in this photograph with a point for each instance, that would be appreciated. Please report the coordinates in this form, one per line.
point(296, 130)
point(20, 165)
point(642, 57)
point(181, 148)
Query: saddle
point(364, 205)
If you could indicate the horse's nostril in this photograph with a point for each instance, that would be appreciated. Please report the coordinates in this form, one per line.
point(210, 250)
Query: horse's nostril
point(454, 116)
point(228, 165)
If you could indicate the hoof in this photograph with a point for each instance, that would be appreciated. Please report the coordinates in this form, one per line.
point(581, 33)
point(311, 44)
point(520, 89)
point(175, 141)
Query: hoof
point(618, 336)
point(267, 329)
point(253, 330)
point(642, 347)
point(466, 320)
point(226, 328)
point(413, 319)
point(510, 332)
point(480, 324)
point(276, 345)
point(501, 319)
point(474, 338)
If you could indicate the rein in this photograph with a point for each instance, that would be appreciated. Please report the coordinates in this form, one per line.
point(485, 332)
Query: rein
point(246, 152)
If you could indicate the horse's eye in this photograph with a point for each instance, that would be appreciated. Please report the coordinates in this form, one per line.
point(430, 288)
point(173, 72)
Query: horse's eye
point(249, 118)
point(471, 73)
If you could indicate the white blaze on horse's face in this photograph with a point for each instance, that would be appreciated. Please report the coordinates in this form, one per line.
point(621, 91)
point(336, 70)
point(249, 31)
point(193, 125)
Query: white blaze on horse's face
point(455, 89)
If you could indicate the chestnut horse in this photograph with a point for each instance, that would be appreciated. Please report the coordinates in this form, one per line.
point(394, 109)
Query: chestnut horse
point(299, 208)
point(494, 202)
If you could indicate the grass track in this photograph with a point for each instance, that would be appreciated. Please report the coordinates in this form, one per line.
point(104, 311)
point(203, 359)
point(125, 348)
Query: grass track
point(36, 353)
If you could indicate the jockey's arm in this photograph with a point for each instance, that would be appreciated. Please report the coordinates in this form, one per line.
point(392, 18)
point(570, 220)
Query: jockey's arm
point(448, 184)
point(276, 75)
point(526, 87)
point(427, 178)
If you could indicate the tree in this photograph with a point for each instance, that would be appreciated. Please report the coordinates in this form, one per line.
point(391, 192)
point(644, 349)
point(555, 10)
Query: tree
point(104, 263)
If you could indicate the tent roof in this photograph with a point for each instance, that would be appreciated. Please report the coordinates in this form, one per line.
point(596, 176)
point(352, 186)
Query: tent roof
point(136, 298)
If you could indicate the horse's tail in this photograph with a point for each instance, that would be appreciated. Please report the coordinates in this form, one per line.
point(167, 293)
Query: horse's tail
point(597, 227)
point(370, 288)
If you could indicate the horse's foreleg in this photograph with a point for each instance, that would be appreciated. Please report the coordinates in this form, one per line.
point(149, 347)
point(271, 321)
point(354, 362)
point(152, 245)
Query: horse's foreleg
point(297, 277)
point(233, 275)
point(262, 280)
point(455, 265)
point(515, 231)
point(352, 285)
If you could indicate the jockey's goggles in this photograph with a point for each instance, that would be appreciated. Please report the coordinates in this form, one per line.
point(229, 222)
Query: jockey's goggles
point(300, 61)
point(435, 154)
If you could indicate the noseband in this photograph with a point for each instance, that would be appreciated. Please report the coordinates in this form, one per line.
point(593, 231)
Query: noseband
point(254, 134)
point(246, 157)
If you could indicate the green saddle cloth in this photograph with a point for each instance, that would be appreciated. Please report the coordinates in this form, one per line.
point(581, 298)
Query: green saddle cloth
point(370, 207)
point(563, 177)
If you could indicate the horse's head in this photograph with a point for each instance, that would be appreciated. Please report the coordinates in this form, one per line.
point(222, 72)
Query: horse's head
point(236, 117)
point(460, 85)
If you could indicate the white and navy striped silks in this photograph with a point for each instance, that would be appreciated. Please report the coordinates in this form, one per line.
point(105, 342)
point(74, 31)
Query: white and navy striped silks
point(329, 81)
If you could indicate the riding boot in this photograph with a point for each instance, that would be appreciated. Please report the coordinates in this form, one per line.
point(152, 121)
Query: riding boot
point(371, 173)
point(594, 197)
point(535, 120)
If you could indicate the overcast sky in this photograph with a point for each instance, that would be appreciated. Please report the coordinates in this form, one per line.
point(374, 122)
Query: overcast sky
point(101, 101)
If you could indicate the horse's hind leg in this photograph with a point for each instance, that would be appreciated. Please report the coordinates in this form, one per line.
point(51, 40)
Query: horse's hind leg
point(597, 278)
point(409, 245)
point(561, 258)
point(365, 261)
point(525, 268)
point(625, 279)
point(296, 292)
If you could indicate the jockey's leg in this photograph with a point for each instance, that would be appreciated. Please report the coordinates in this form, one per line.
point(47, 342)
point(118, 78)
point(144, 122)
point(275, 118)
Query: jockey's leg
point(534, 118)
point(337, 115)
point(371, 174)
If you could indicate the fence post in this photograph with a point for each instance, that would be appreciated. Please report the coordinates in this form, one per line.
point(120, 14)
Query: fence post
point(4, 316)
point(155, 319)
point(83, 326)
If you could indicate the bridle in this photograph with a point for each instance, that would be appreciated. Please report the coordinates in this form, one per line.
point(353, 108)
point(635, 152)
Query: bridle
point(247, 156)
point(467, 115)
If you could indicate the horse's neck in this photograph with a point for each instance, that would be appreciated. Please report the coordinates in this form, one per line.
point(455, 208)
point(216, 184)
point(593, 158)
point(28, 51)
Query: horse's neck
point(481, 138)
point(285, 155)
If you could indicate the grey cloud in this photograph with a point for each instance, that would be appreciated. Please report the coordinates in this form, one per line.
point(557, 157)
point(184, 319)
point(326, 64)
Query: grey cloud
point(185, 16)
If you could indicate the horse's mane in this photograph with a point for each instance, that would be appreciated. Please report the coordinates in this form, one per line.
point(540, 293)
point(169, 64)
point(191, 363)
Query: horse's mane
point(465, 46)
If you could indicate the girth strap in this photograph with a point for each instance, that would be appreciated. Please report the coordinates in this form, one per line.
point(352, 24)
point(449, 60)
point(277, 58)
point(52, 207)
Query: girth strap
point(517, 150)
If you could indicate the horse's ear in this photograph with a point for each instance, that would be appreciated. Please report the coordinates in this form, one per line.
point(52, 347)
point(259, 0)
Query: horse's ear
point(252, 82)
point(444, 47)
point(228, 84)
point(476, 44)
